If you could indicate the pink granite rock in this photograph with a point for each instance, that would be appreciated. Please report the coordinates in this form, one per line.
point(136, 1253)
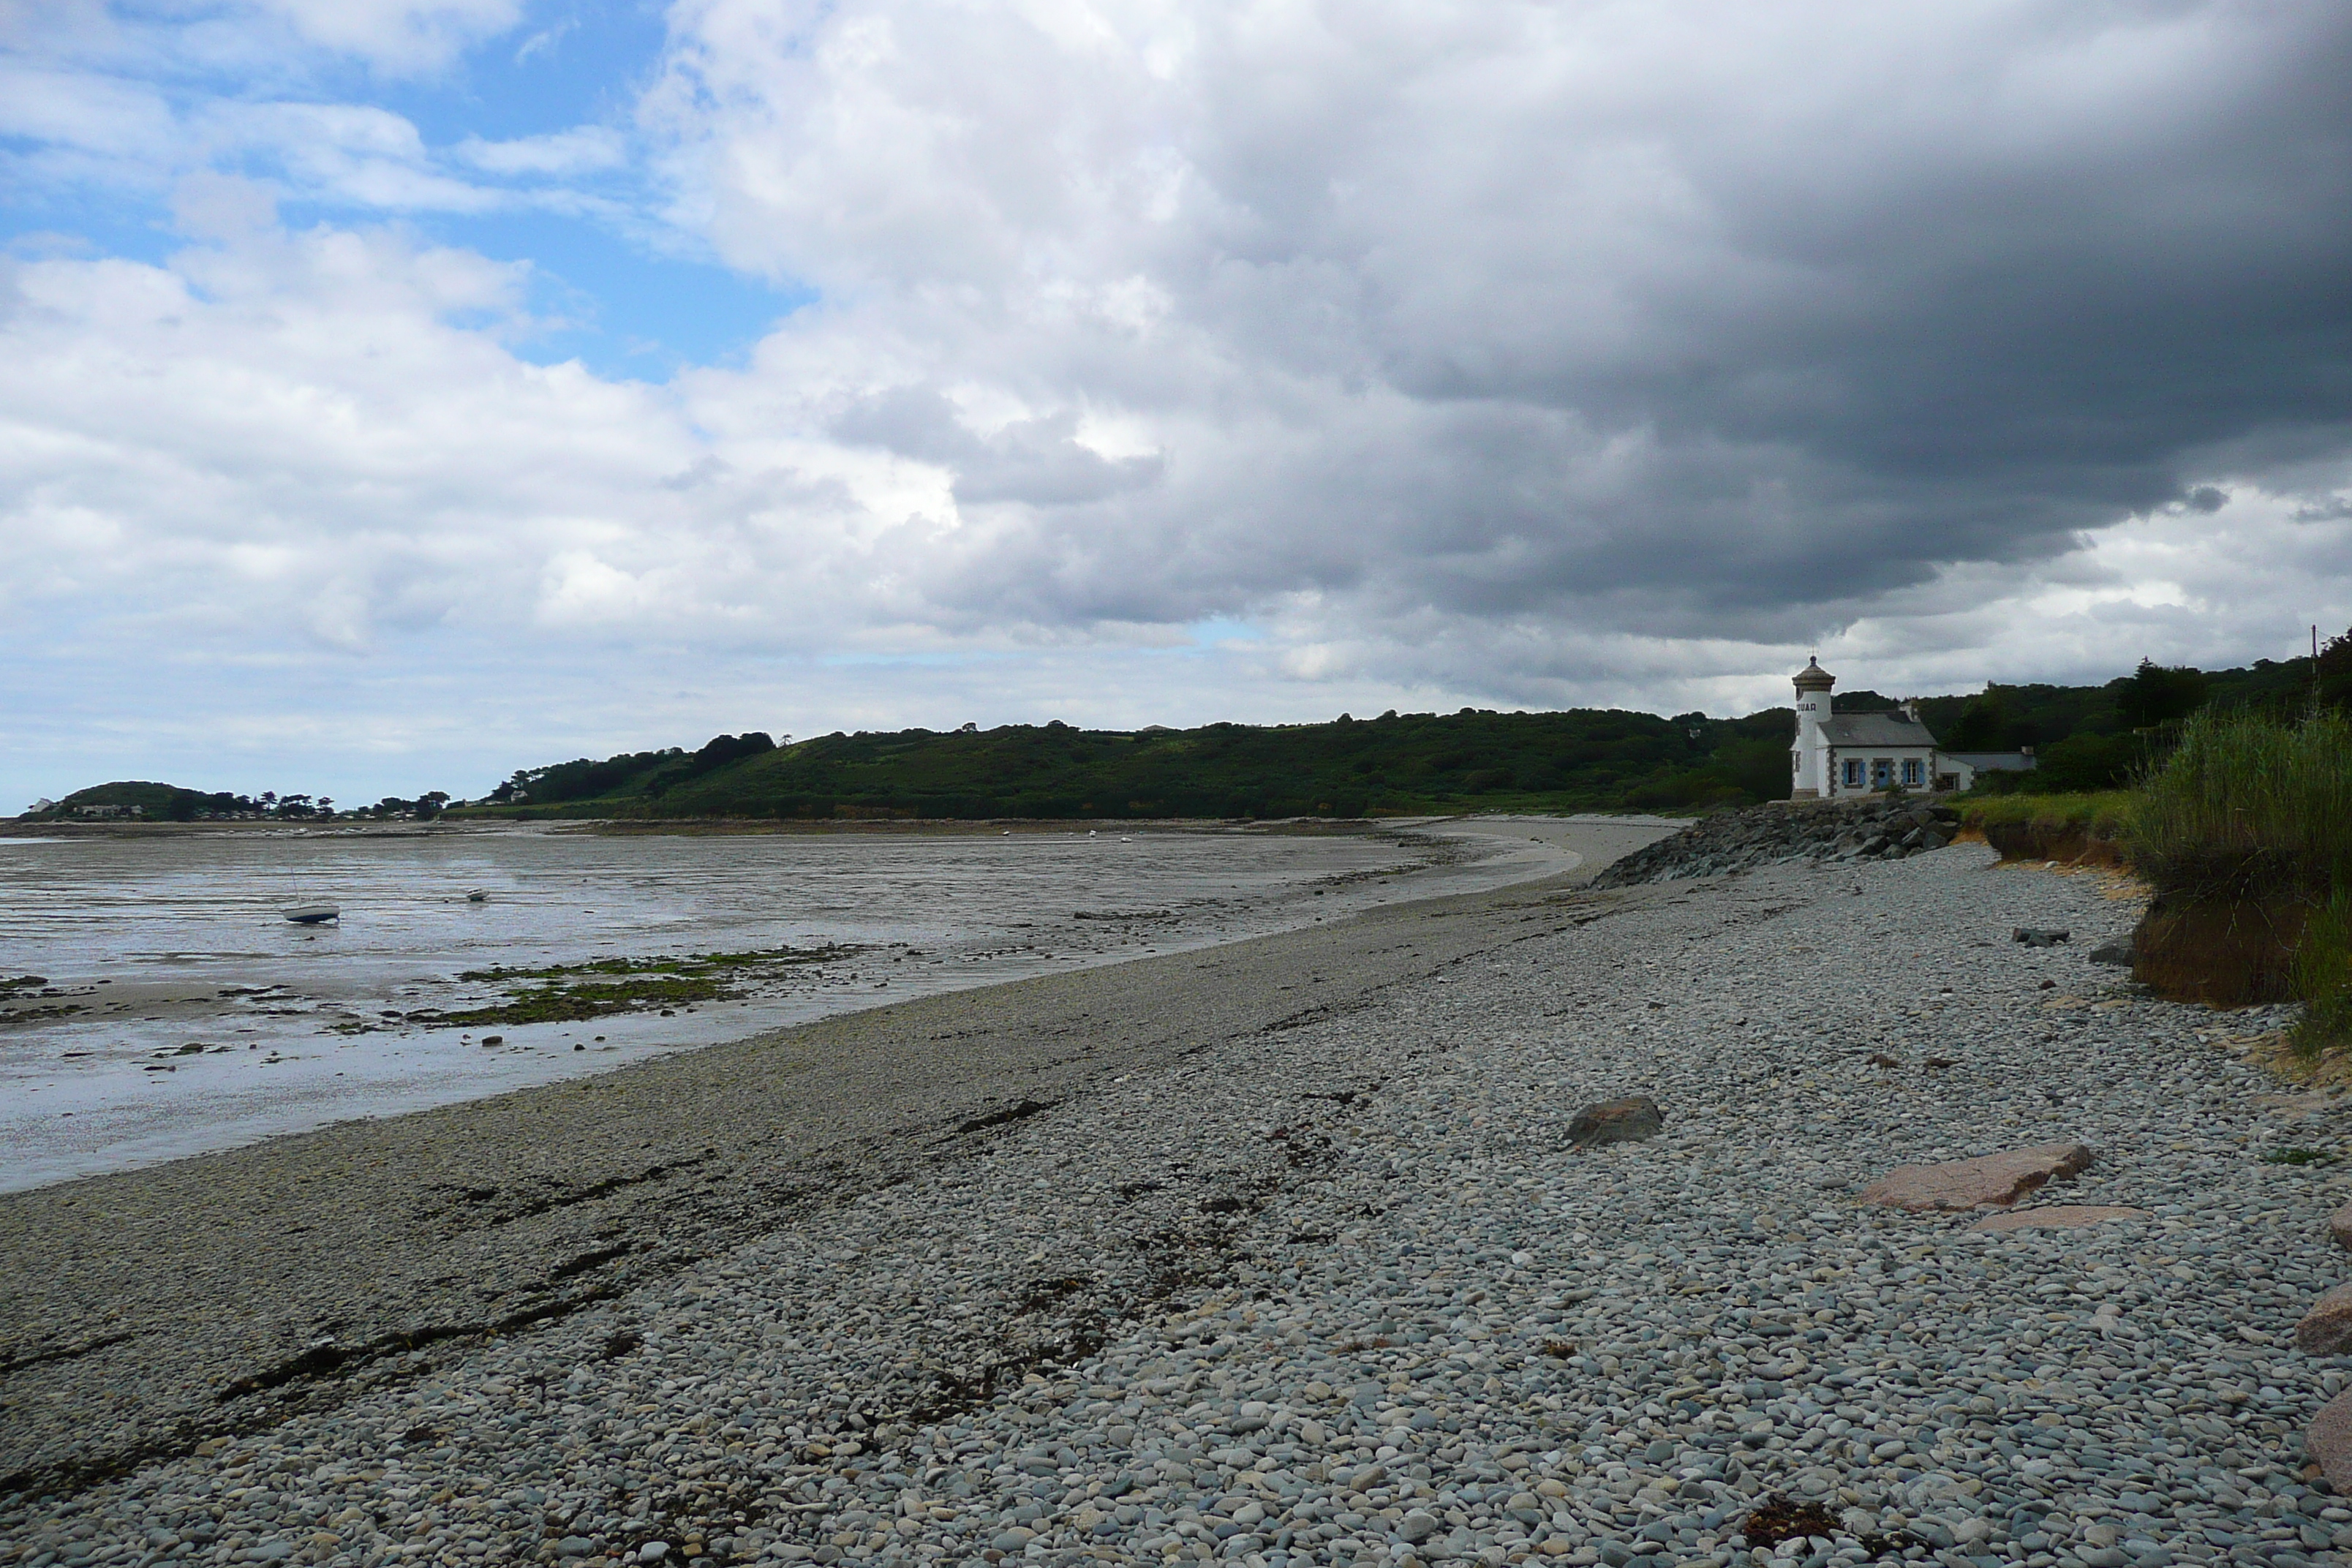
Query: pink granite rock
point(2329, 1443)
point(1626, 1121)
point(2339, 1226)
point(1986, 1181)
point(2326, 1329)
point(2057, 1216)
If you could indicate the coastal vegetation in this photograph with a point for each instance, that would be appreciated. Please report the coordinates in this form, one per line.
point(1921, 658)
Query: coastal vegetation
point(1395, 764)
point(569, 993)
point(2100, 738)
point(146, 801)
point(2245, 830)
point(2088, 826)
point(2086, 737)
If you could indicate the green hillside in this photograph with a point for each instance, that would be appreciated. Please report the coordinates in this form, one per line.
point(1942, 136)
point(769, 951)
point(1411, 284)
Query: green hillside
point(2089, 737)
point(1395, 764)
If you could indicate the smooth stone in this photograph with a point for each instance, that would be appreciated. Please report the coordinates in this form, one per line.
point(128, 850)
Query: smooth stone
point(1986, 1181)
point(2339, 1227)
point(1417, 1527)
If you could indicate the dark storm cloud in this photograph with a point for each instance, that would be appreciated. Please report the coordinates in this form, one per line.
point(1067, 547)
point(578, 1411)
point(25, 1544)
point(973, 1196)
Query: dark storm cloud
point(1724, 343)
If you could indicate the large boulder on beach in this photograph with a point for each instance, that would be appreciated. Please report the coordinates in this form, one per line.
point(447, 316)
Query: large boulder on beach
point(1625, 1120)
point(1988, 1180)
point(2339, 1227)
point(2326, 1329)
point(2329, 1443)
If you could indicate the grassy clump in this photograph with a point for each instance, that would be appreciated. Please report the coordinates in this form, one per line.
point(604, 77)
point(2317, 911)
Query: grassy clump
point(2252, 809)
point(2249, 807)
point(2104, 815)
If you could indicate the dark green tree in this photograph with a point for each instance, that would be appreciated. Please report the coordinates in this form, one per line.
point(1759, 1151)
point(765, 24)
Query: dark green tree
point(1983, 726)
point(2156, 694)
point(2332, 679)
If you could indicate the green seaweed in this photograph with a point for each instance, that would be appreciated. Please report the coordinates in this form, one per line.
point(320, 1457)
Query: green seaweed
point(568, 992)
point(687, 964)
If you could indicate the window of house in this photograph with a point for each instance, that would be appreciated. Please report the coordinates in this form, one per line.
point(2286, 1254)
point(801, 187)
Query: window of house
point(1853, 773)
point(1911, 772)
point(1882, 772)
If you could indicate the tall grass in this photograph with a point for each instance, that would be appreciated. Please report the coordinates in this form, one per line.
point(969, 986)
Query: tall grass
point(2251, 808)
point(2322, 977)
point(2248, 807)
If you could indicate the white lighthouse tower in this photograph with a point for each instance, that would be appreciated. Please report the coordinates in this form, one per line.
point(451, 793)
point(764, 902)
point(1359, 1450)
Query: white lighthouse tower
point(1809, 758)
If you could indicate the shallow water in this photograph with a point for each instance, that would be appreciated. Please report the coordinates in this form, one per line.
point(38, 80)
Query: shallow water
point(200, 1019)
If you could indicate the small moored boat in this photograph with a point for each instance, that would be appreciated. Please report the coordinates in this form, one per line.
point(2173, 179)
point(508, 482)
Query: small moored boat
point(479, 896)
point(313, 915)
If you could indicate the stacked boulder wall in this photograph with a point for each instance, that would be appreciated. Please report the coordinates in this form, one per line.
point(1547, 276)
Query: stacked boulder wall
point(2219, 951)
point(1868, 828)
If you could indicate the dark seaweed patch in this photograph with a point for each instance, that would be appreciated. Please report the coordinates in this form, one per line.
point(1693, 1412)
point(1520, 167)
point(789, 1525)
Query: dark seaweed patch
point(1009, 1113)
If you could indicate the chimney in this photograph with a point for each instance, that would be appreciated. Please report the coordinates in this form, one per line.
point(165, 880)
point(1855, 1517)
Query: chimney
point(1911, 709)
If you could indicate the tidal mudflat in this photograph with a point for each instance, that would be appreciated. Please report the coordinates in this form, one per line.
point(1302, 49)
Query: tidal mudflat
point(174, 1012)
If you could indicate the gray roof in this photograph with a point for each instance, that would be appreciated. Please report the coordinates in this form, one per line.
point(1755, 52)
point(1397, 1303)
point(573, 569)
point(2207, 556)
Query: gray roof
point(1875, 730)
point(1996, 761)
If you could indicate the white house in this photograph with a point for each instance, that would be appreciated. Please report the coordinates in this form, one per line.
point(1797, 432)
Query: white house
point(1840, 754)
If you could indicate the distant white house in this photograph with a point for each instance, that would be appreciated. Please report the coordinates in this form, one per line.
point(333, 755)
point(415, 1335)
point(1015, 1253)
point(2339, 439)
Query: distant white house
point(1840, 754)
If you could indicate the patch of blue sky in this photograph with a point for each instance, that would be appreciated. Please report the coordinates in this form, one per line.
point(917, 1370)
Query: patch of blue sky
point(616, 289)
point(620, 309)
point(616, 293)
point(1219, 629)
point(569, 63)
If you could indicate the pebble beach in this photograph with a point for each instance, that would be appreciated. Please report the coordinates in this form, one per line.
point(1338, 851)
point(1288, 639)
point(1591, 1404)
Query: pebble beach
point(1273, 1254)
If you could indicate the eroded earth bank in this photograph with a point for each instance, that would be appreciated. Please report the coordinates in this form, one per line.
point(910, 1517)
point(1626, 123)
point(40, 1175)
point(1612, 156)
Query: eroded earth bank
point(1277, 1253)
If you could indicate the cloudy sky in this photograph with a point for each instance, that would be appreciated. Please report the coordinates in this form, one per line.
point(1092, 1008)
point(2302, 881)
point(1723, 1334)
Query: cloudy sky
point(400, 392)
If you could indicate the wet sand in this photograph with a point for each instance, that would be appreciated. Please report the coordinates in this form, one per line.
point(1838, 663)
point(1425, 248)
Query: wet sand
point(141, 1312)
point(182, 1016)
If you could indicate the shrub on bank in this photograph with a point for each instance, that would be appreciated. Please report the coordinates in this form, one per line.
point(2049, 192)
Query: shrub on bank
point(2245, 831)
point(2050, 826)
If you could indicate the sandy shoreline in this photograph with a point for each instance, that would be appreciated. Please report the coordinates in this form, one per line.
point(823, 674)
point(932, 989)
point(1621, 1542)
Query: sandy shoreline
point(228, 1268)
